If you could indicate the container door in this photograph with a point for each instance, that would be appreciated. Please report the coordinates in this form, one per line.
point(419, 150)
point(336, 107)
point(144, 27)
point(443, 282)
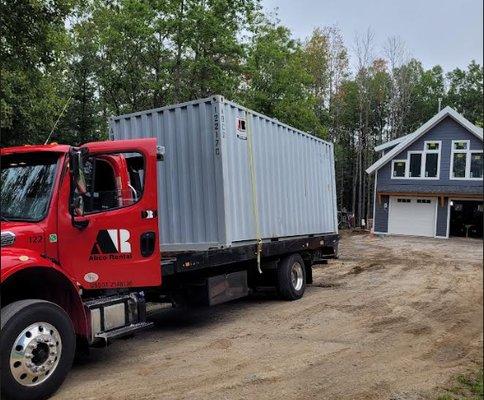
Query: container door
point(111, 239)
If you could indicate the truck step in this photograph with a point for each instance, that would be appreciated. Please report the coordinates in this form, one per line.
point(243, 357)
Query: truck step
point(124, 331)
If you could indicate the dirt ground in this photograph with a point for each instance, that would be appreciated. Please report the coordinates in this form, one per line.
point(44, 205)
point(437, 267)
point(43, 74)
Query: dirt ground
point(394, 318)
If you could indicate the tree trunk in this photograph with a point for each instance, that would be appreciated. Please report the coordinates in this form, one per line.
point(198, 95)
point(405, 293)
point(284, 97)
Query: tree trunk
point(179, 49)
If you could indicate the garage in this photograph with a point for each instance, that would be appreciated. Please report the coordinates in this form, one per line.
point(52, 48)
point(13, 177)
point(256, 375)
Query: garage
point(412, 215)
point(466, 218)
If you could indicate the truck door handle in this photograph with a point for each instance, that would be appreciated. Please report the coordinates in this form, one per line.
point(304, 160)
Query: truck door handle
point(147, 243)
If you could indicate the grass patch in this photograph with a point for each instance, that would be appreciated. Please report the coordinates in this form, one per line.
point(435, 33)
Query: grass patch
point(465, 387)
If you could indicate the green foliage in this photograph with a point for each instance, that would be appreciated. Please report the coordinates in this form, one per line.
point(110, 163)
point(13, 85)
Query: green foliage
point(465, 92)
point(428, 88)
point(277, 80)
point(32, 51)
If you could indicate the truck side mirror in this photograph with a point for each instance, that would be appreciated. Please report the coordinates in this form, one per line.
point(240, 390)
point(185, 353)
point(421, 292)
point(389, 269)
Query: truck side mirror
point(79, 187)
point(77, 170)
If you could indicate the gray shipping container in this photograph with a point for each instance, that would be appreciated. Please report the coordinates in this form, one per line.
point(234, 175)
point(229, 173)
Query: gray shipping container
point(232, 176)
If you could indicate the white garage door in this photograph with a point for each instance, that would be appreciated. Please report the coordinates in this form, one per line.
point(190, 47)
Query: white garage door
point(412, 216)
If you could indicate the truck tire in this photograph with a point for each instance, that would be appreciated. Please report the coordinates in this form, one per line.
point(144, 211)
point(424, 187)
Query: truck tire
point(291, 277)
point(37, 346)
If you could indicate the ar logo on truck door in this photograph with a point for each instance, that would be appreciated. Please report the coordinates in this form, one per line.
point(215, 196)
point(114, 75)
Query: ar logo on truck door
point(113, 242)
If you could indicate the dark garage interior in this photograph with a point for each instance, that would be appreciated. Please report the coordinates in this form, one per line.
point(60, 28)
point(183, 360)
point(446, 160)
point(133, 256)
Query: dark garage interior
point(466, 218)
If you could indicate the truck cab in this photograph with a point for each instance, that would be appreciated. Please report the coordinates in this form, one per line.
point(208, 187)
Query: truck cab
point(79, 231)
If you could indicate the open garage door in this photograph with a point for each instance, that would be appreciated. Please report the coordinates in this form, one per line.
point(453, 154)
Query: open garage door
point(466, 218)
point(412, 215)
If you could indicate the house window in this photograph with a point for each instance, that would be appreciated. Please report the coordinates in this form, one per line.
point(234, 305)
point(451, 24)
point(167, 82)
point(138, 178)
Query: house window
point(431, 159)
point(460, 145)
point(459, 165)
point(432, 145)
point(465, 163)
point(431, 165)
point(415, 165)
point(476, 165)
point(399, 167)
point(421, 164)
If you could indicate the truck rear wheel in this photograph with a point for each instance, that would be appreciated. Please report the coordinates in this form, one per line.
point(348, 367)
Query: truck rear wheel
point(37, 347)
point(291, 277)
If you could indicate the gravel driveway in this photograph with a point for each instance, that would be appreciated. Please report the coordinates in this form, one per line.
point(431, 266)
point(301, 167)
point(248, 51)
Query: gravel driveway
point(393, 318)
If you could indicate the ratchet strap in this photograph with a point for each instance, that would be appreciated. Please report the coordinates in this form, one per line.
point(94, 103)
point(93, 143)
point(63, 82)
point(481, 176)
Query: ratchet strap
point(253, 184)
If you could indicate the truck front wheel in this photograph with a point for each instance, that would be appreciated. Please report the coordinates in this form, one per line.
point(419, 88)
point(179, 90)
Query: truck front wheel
point(291, 277)
point(37, 347)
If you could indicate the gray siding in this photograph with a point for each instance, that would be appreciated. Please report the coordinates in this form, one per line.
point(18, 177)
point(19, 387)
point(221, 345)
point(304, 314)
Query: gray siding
point(381, 215)
point(442, 218)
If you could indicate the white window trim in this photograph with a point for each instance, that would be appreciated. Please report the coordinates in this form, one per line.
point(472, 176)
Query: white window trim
point(404, 173)
point(468, 142)
point(423, 153)
point(424, 158)
point(469, 168)
point(468, 153)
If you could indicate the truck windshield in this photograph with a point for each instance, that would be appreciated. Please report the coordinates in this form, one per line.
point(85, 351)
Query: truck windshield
point(26, 185)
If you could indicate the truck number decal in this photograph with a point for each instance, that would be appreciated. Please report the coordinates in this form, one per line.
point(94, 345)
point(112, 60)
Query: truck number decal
point(35, 239)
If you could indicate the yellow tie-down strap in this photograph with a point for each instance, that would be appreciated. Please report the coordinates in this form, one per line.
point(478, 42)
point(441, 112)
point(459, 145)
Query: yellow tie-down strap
point(253, 184)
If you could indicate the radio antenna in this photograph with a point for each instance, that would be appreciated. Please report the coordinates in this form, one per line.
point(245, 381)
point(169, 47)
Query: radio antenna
point(58, 118)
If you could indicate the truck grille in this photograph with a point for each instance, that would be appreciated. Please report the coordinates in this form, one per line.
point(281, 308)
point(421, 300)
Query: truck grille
point(8, 238)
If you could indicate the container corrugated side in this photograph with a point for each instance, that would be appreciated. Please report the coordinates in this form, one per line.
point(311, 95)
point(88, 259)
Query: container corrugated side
point(293, 180)
point(218, 188)
point(189, 199)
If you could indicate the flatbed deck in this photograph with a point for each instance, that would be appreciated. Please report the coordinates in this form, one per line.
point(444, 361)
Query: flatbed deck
point(320, 247)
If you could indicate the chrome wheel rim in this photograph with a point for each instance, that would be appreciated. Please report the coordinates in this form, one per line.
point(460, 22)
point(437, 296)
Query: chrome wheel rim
point(35, 354)
point(297, 276)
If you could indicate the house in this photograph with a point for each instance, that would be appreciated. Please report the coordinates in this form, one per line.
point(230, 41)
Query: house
point(429, 183)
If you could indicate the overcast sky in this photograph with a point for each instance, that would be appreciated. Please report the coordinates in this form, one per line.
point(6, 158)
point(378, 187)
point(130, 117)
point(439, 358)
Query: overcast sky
point(445, 32)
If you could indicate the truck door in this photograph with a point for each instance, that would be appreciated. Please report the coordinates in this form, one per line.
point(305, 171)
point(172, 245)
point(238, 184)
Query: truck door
point(110, 237)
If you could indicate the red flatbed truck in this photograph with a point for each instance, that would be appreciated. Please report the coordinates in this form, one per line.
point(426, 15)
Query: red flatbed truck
point(72, 278)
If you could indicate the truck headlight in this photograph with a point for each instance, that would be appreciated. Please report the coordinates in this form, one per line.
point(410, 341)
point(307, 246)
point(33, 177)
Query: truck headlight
point(8, 238)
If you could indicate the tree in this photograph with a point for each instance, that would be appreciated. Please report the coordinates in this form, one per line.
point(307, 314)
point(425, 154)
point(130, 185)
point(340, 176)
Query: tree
point(326, 60)
point(69, 65)
point(400, 88)
point(277, 82)
point(465, 92)
point(428, 88)
point(32, 38)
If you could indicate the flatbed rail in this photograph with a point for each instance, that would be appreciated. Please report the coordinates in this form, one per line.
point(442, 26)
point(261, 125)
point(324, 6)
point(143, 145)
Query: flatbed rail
point(320, 246)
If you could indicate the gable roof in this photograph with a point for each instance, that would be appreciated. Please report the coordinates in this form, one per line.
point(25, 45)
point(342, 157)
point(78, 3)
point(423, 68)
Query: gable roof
point(409, 139)
point(390, 143)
